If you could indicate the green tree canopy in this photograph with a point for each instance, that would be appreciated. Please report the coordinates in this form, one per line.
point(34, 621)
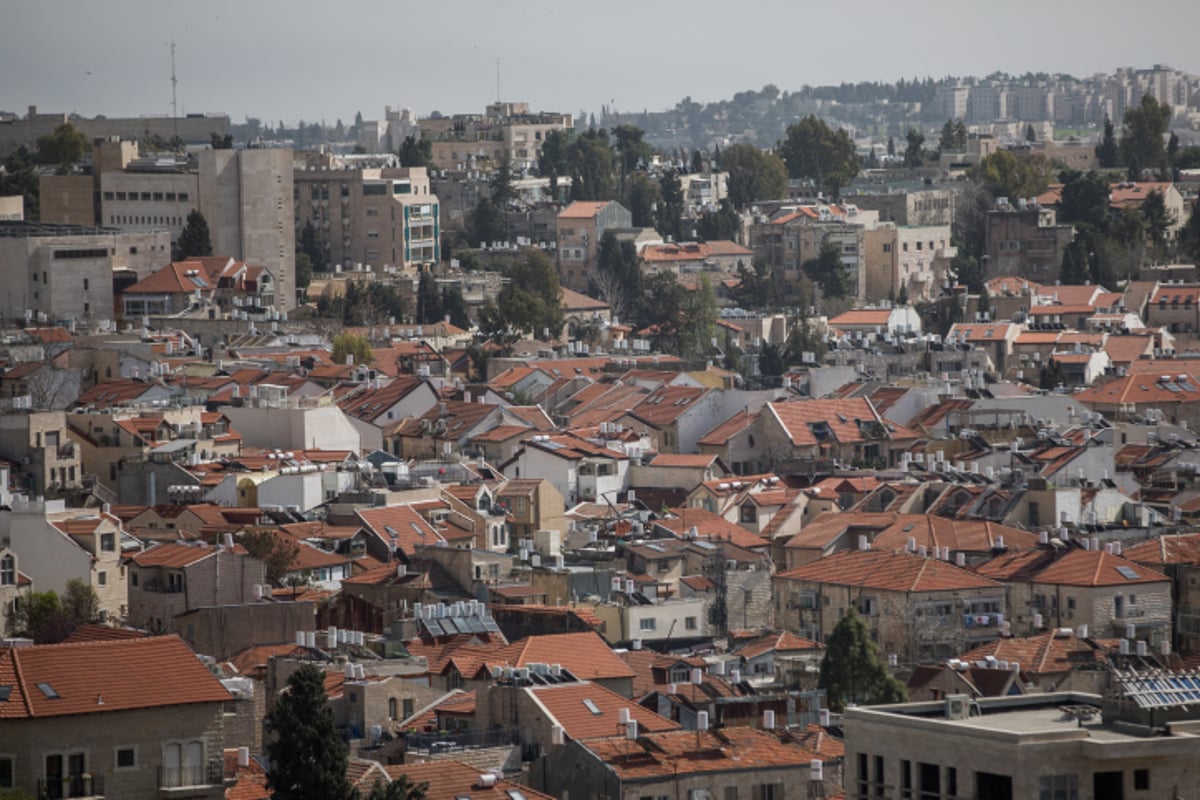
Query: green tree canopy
point(642, 196)
point(669, 219)
point(310, 245)
point(399, 789)
point(1108, 152)
point(429, 300)
point(590, 160)
point(914, 154)
point(1143, 137)
point(276, 552)
point(632, 147)
point(954, 137)
point(304, 270)
point(1158, 217)
point(1075, 269)
point(724, 223)
point(416, 152)
point(530, 301)
point(813, 150)
point(48, 618)
point(828, 271)
point(1006, 175)
point(349, 344)
point(552, 158)
point(308, 758)
point(1085, 199)
point(618, 279)
point(852, 670)
point(454, 305)
point(194, 240)
point(753, 174)
point(63, 147)
point(1189, 236)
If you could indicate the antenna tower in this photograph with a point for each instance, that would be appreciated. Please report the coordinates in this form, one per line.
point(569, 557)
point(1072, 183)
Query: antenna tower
point(174, 83)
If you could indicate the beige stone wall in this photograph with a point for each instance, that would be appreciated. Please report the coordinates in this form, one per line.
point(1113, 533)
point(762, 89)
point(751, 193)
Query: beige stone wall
point(100, 735)
point(67, 199)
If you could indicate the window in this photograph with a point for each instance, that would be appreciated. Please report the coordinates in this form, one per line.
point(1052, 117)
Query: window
point(183, 764)
point(689, 623)
point(1058, 787)
point(125, 757)
point(407, 708)
point(108, 542)
point(647, 624)
point(393, 707)
point(749, 514)
point(1141, 780)
point(7, 772)
point(102, 578)
point(767, 791)
point(906, 779)
point(8, 573)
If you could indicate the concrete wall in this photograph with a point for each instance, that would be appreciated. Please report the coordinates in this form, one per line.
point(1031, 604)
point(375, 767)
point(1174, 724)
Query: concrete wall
point(324, 428)
point(221, 631)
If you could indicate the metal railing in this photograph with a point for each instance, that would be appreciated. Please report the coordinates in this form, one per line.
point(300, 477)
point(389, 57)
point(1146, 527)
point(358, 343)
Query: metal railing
point(70, 786)
point(460, 740)
point(210, 774)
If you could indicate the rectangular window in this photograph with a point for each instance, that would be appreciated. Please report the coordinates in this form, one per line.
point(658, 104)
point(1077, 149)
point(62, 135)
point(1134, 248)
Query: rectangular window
point(906, 780)
point(170, 197)
point(102, 578)
point(689, 623)
point(1058, 787)
point(1141, 780)
point(125, 757)
point(647, 624)
point(183, 197)
point(7, 772)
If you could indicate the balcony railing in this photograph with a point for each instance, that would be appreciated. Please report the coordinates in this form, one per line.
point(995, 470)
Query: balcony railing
point(210, 774)
point(70, 786)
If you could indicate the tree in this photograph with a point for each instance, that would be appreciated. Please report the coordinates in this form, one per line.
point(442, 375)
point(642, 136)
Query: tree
point(1075, 270)
point(1085, 199)
point(1030, 136)
point(618, 279)
point(914, 156)
point(753, 174)
point(48, 618)
point(219, 142)
point(631, 147)
point(308, 758)
point(954, 137)
point(429, 300)
point(891, 150)
point(669, 221)
point(828, 271)
point(454, 305)
point(813, 150)
point(1052, 375)
point(642, 195)
point(770, 361)
point(1108, 153)
point(1158, 217)
point(400, 788)
point(310, 245)
point(852, 670)
point(590, 162)
point(194, 240)
point(19, 177)
point(416, 152)
point(552, 159)
point(530, 301)
point(1189, 236)
point(276, 551)
point(80, 604)
point(1006, 175)
point(724, 223)
point(62, 148)
point(348, 344)
point(304, 270)
point(1142, 137)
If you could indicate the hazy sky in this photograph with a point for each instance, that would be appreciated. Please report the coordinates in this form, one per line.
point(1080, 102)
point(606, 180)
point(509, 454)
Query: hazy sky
point(301, 59)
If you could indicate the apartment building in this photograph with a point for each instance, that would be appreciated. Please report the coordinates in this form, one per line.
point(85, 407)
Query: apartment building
point(55, 272)
point(505, 130)
point(579, 228)
point(902, 257)
point(379, 216)
point(244, 195)
point(1026, 240)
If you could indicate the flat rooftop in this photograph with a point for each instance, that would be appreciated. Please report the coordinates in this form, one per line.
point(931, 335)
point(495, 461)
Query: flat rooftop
point(23, 229)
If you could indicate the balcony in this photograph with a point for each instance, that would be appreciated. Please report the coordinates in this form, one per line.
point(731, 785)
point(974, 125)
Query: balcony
point(71, 786)
point(66, 450)
point(181, 781)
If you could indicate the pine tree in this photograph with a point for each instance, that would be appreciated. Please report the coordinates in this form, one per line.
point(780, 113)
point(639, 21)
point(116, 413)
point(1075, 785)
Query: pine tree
point(308, 757)
point(194, 240)
point(852, 670)
point(1107, 152)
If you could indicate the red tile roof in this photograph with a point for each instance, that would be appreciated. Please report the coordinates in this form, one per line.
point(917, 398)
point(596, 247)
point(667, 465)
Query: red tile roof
point(583, 209)
point(567, 705)
point(584, 655)
point(721, 434)
point(888, 571)
point(408, 528)
point(686, 753)
point(1074, 567)
point(453, 780)
point(1045, 653)
point(1166, 549)
point(60, 680)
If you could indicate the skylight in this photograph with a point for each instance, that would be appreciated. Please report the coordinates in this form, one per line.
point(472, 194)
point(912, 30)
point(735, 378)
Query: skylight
point(592, 707)
point(5, 691)
point(1128, 573)
point(48, 690)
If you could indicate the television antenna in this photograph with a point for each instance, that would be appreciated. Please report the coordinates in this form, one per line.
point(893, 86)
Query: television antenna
point(174, 83)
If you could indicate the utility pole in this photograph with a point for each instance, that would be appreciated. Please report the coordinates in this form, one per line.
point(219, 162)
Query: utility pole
point(174, 83)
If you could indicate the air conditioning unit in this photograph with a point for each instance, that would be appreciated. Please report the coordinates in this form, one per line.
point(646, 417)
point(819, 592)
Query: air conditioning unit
point(958, 706)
